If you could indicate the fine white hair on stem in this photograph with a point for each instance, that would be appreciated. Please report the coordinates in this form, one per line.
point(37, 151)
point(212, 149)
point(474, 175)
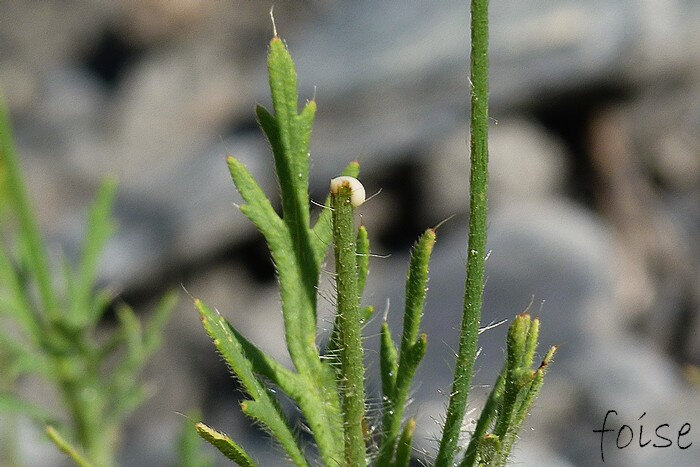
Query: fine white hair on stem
point(386, 309)
point(492, 325)
point(376, 194)
point(357, 191)
point(316, 203)
point(272, 17)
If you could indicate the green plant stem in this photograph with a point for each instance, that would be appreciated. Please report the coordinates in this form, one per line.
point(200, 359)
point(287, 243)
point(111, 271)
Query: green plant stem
point(471, 317)
point(352, 368)
point(67, 448)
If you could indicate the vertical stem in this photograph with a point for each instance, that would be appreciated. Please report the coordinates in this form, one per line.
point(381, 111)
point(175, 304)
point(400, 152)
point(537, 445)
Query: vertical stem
point(352, 368)
point(477, 233)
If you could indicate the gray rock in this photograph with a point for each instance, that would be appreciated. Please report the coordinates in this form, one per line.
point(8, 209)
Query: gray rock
point(525, 163)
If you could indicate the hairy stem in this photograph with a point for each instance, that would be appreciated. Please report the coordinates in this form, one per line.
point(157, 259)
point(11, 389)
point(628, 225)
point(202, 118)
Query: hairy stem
point(477, 234)
point(352, 369)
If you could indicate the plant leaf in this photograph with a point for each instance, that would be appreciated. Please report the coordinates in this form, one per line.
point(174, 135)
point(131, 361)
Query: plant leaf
point(13, 404)
point(412, 347)
point(100, 228)
point(403, 450)
point(267, 366)
point(264, 409)
point(225, 445)
point(189, 445)
point(362, 256)
point(30, 237)
point(388, 363)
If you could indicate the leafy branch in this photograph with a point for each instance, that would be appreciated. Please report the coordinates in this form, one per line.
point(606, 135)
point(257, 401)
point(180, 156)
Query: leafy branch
point(328, 387)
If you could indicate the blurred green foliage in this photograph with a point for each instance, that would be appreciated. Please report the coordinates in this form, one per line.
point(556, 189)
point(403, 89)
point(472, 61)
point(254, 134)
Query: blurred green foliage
point(48, 327)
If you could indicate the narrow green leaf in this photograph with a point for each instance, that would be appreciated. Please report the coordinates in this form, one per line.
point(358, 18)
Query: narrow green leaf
point(295, 198)
point(319, 402)
point(65, 447)
point(403, 450)
point(22, 360)
point(412, 347)
point(298, 307)
point(366, 313)
point(395, 405)
point(100, 228)
point(19, 298)
point(125, 394)
point(225, 445)
point(529, 394)
point(388, 365)
point(258, 208)
point(531, 343)
point(10, 403)
point(305, 393)
point(30, 237)
point(267, 366)
point(264, 409)
point(283, 86)
point(416, 282)
point(100, 301)
point(515, 349)
point(153, 331)
point(189, 445)
point(293, 167)
point(131, 330)
point(362, 259)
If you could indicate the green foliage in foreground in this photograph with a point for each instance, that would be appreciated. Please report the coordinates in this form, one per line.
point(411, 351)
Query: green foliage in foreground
point(49, 331)
point(328, 387)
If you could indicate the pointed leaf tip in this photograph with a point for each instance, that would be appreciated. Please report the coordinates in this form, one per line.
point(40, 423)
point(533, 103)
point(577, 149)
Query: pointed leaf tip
point(225, 445)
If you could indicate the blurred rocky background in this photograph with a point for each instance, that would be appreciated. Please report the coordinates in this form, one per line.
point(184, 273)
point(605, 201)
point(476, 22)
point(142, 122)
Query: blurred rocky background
point(595, 189)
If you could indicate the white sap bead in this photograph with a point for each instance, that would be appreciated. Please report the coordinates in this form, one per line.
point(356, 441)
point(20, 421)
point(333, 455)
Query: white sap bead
point(357, 191)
